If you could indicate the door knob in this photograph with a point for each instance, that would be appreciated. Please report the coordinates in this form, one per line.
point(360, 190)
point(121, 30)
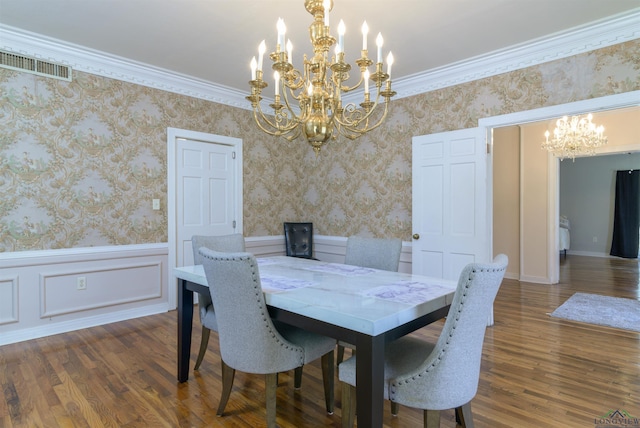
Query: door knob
point(416, 236)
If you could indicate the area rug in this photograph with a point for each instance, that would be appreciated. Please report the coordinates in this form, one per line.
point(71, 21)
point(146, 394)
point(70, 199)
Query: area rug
point(602, 310)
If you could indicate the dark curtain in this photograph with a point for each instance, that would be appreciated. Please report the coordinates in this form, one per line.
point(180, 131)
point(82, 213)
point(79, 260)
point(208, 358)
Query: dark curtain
point(626, 218)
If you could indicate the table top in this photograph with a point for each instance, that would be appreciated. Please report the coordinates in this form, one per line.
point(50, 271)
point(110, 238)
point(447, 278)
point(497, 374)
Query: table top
point(361, 299)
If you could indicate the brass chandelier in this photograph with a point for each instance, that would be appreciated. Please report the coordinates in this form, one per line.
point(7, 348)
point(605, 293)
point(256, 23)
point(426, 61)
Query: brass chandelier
point(309, 101)
point(574, 136)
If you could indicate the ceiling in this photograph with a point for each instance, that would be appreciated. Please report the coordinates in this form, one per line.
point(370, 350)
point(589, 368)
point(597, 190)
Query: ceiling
point(214, 40)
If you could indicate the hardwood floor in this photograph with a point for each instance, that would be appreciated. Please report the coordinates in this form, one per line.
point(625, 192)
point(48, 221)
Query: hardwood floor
point(537, 371)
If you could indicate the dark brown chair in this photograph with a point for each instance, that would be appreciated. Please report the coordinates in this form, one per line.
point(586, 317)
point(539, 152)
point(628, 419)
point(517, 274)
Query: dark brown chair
point(298, 240)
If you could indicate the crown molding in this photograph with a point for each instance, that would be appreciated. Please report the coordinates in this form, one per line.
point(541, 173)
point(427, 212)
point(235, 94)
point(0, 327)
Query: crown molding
point(617, 29)
point(596, 35)
point(99, 63)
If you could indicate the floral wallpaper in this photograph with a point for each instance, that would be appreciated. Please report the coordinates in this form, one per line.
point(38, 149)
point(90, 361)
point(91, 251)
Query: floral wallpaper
point(364, 187)
point(80, 161)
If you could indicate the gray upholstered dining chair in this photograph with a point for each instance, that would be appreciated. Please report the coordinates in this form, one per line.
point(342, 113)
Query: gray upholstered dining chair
point(249, 339)
point(375, 253)
point(443, 375)
point(224, 243)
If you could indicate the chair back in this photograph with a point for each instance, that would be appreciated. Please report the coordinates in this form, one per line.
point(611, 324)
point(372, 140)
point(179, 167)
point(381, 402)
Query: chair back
point(449, 376)
point(298, 239)
point(224, 243)
point(249, 342)
point(233, 243)
point(376, 253)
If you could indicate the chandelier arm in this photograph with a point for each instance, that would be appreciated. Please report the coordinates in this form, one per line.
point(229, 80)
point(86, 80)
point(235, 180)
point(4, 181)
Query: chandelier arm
point(262, 119)
point(346, 88)
point(290, 83)
point(276, 132)
point(300, 97)
point(263, 129)
point(294, 80)
point(259, 114)
point(382, 118)
point(348, 132)
point(353, 124)
point(366, 127)
point(295, 133)
point(349, 111)
point(344, 133)
point(285, 95)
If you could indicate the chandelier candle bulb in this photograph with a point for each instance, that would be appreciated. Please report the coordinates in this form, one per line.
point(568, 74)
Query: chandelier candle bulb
point(282, 29)
point(261, 50)
point(379, 42)
point(365, 31)
point(389, 64)
point(366, 81)
point(341, 31)
point(327, 6)
point(290, 51)
point(254, 66)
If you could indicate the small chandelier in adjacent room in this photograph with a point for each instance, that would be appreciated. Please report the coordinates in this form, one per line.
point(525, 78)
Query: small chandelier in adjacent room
point(575, 136)
point(309, 101)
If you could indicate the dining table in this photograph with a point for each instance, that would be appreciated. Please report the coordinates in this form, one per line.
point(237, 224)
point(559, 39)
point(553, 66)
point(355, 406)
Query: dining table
point(362, 306)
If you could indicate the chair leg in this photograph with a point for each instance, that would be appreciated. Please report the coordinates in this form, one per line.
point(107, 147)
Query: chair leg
point(348, 405)
point(394, 408)
point(227, 383)
point(464, 415)
point(328, 373)
point(431, 418)
point(271, 383)
point(203, 346)
point(340, 355)
point(297, 377)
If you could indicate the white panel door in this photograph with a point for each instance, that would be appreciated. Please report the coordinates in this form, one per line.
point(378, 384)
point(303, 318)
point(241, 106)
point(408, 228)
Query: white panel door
point(205, 193)
point(449, 202)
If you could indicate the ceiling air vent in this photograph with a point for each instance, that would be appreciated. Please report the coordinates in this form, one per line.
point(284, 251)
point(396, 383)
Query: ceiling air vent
point(35, 66)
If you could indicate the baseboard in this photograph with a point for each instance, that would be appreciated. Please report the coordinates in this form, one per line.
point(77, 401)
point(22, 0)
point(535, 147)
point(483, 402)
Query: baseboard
point(512, 275)
point(588, 254)
point(534, 279)
point(79, 324)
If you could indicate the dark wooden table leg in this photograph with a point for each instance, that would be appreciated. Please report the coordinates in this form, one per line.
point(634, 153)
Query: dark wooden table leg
point(370, 381)
point(185, 325)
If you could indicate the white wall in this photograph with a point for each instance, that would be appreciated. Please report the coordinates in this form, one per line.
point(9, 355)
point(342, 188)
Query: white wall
point(506, 197)
point(587, 197)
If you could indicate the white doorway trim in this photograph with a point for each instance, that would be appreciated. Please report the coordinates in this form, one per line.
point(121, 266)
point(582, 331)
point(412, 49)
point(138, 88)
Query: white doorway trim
point(610, 102)
point(173, 134)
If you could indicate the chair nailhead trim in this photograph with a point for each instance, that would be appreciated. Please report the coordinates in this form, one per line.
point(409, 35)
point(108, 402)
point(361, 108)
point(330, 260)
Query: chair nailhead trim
point(392, 387)
point(258, 291)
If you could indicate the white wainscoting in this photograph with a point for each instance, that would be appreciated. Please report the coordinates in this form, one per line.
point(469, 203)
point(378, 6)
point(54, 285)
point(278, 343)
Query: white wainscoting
point(326, 248)
point(39, 293)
